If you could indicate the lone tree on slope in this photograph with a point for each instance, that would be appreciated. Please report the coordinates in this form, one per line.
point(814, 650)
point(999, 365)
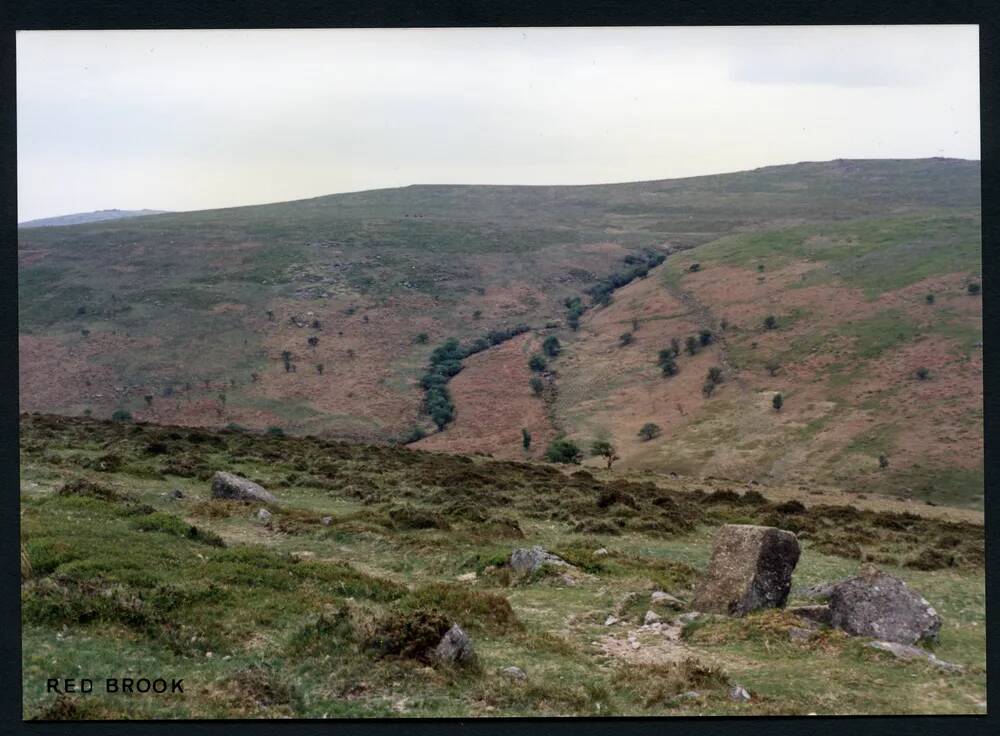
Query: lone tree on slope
point(606, 450)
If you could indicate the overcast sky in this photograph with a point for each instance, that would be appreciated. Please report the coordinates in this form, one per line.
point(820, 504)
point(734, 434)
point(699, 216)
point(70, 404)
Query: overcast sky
point(183, 120)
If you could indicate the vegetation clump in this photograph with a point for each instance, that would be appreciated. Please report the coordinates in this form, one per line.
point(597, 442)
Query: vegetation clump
point(563, 451)
point(649, 431)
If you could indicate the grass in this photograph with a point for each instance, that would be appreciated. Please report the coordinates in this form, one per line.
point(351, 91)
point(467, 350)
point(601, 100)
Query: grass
point(292, 616)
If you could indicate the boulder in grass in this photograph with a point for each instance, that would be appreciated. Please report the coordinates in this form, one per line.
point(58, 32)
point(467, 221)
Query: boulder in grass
point(879, 605)
point(233, 487)
point(455, 647)
point(750, 569)
point(527, 561)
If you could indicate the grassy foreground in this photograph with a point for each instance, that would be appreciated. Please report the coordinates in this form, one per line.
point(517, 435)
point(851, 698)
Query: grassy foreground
point(297, 617)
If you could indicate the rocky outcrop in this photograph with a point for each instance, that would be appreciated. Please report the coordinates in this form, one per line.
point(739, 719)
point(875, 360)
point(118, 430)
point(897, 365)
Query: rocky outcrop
point(751, 568)
point(233, 487)
point(881, 606)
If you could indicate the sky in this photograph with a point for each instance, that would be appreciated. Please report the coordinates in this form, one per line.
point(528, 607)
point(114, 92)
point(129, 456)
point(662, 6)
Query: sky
point(187, 120)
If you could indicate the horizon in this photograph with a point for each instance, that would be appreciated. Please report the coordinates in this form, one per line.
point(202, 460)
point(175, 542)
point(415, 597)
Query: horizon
point(196, 120)
point(157, 211)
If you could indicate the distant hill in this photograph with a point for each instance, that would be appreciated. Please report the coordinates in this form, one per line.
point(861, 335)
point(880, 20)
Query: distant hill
point(80, 218)
point(321, 315)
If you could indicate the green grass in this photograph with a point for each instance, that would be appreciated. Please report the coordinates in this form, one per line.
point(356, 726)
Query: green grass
point(277, 622)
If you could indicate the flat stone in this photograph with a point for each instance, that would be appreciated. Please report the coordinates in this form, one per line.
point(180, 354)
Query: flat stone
point(263, 515)
point(908, 652)
point(610, 620)
point(750, 569)
point(326, 520)
point(659, 598)
point(233, 487)
point(514, 673)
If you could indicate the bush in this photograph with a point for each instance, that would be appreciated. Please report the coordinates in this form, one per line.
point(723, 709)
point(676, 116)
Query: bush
point(537, 385)
point(929, 298)
point(538, 363)
point(626, 339)
point(606, 450)
point(421, 338)
point(666, 362)
point(694, 267)
point(974, 288)
point(691, 344)
point(707, 389)
point(705, 337)
point(409, 634)
point(777, 402)
point(275, 431)
point(922, 374)
point(563, 451)
point(121, 415)
point(525, 439)
point(551, 346)
point(715, 375)
point(649, 431)
point(770, 322)
point(772, 369)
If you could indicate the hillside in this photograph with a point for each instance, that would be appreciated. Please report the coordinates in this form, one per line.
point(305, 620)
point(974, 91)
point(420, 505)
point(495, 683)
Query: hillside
point(320, 316)
point(271, 612)
point(79, 218)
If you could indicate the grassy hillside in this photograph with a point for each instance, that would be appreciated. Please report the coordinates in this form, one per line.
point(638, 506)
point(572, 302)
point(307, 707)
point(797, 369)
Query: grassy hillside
point(184, 318)
point(283, 617)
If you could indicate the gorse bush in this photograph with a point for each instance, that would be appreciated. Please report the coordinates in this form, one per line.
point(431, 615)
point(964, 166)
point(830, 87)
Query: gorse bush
point(649, 430)
point(551, 346)
point(563, 451)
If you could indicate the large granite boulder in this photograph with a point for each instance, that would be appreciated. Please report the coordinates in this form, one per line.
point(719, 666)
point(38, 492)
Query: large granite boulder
point(751, 568)
point(527, 561)
point(235, 488)
point(879, 605)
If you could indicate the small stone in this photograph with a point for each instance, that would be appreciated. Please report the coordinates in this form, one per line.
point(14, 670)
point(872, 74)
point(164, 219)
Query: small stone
point(466, 577)
point(602, 552)
point(691, 694)
point(686, 618)
point(177, 493)
point(264, 515)
point(326, 520)
point(907, 652)
point(650, 618)
point(514, 673)
point(659, 598)
point(739, 693)
point(610, 620)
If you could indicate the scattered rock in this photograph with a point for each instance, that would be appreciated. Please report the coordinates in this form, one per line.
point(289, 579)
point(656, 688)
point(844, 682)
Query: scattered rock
point(740, 693)
point(650, 618)
point(227, 485)
point(611, 620)
point(881, 606)
point(691, 695)
point(907, 652)
point(527, 561)
point(751, 568)
point(326, 520)
point(602, 552)
point(514, 673)
point(177, 493)
point(467, 577)
point(568, 580)
point(264, 515)
point(455, 646)
point(686, 618)
point(659, 598)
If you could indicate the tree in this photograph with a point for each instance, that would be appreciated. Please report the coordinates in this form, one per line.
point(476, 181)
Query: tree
point(626, 339)
point(923, 374)
point(666, 362)
point(974, 288)
point(707, 389)
point(605, 450)
point(286, 357)
point(883, 461)
point(705, 337)
point(563, 451)
point(691, 344)
point(770, 322)
point(777, 402)
point(675, 345)
point(270, 315)
point(537, 385)
point(551, 346)
point(121, 415)
point(421, 338)
point(760, 268)
point(537, 363)
point(715, 375)
point(148, 399)
point(929, 298)
point(649, 431)
point(525, 438)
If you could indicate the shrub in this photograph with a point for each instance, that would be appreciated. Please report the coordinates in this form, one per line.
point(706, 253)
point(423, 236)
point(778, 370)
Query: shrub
point(563, 451)
point(770, 322)
point(694, 267)
point(606, 450)
point(707, 389)
point(537, 385)
point(772, 369)
point(883, 461)
point(415, 435)
point(705, 337)
point(649, 430)
point(121, 415)
point(929, 298)
point(715, 375)
point(760, 268)
point(551, 346)
point(525, 438)
point(409, 634)
point(922, 374)
point(313, 341)
point(974, 288)
point(691, 344)
point(626, 339)
point(275, 431)
point(777, 402)
point(421, 338)
point(666, 362)
point(537, 363)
